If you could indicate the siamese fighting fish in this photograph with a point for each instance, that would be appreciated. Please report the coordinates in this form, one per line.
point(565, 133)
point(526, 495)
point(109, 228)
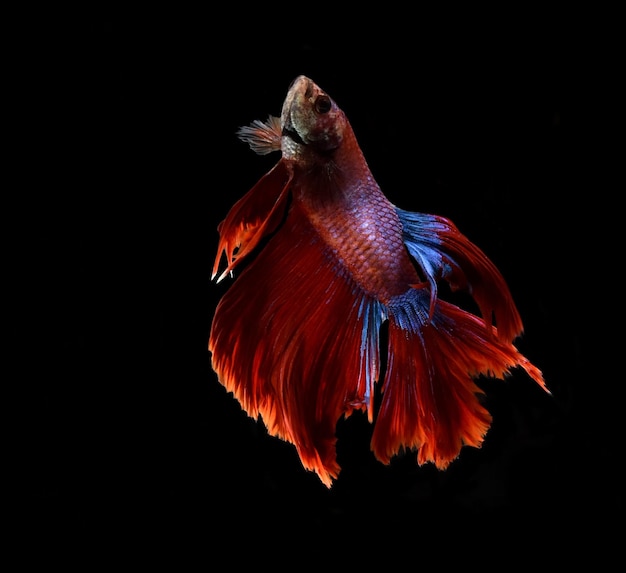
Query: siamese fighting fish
point(298, 335)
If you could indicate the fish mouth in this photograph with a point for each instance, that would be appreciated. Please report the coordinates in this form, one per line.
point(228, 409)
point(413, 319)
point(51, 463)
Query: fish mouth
point(296, 94)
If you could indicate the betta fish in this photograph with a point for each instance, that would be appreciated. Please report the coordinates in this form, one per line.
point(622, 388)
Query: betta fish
point(329, 260)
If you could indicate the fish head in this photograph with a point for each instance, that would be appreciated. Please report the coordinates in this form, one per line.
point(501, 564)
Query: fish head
point(310, 119)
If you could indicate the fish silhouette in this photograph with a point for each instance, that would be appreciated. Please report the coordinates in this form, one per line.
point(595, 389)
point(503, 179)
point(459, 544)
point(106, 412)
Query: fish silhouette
point(329, 260)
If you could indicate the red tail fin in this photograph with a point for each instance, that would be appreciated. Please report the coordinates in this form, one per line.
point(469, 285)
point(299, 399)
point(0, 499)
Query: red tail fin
point(301, 348)
point(429, 399)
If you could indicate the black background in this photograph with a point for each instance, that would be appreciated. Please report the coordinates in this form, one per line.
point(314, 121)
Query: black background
point(491, 119)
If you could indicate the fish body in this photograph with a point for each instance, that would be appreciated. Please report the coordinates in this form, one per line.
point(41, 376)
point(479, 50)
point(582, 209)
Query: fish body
point(296, 337)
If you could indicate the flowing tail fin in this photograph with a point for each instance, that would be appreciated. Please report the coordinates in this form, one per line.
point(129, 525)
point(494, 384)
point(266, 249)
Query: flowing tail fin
point(430, 401)
point(310, 354)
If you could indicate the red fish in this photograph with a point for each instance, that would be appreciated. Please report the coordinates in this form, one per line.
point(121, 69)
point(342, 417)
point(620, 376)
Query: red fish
point(297, 336)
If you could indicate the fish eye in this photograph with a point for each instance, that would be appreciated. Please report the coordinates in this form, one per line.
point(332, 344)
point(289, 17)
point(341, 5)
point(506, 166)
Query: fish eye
point(322, 104)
